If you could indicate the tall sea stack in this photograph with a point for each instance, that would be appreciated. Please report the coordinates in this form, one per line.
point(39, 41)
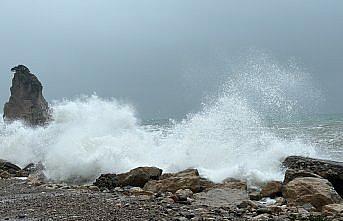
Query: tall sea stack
point(26, 102)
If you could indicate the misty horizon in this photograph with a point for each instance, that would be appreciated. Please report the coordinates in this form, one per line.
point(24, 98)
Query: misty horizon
point(166, 58)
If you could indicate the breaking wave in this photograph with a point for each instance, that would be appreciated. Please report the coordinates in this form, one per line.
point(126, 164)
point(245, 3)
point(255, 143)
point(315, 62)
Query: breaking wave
point(229, 137)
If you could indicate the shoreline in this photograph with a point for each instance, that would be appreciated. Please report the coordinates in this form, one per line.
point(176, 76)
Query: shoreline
point(145, 193)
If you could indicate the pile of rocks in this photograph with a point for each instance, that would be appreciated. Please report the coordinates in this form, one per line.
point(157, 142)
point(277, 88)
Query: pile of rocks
point(305, 193)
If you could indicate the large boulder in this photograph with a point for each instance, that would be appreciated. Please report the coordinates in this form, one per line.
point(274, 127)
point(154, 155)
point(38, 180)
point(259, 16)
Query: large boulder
point(108, 181)
point(9, 167)
point(272, 189)
point(172, 182)
point(26, 101)
point(311, 190)
point(330, 170)
point(137, 177)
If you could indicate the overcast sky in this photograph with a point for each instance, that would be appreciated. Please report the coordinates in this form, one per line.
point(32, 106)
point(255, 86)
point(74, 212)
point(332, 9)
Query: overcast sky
point(164, 56)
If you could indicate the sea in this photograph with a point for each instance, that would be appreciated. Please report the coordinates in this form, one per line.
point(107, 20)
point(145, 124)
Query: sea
point(262, 113)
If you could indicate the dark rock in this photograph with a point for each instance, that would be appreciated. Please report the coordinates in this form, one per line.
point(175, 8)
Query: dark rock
point(34, 168)
point(272, 189)
point(330, 170)
point(137, 177)
point(21, 173)
point(264, 210)
point(26, 102)
point(109, 181)
point(9, 167)
point(255, 196)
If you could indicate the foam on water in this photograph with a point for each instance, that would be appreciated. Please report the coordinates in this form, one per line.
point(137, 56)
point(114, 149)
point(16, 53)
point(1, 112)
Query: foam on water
point(228, 138)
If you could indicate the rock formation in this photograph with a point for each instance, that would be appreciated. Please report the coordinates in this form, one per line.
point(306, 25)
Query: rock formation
point(330, 170)
point(316, 191)
point(26, 102)
point(137, 177)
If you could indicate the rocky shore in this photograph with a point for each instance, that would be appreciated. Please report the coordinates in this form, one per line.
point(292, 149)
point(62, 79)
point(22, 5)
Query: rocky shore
point(146, 193)
point(311, 190)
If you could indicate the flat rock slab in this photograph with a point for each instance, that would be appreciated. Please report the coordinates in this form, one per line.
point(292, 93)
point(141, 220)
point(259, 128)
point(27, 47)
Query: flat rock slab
point(220, 197)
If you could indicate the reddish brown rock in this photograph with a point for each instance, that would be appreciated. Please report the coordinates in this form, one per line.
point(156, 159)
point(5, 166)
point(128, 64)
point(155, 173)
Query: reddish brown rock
point(272, 189)
point(330, 170)
point(310, 190)
point(172, 182)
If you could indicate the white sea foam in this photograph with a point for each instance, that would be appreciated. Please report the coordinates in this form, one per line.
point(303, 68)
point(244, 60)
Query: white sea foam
point(228, 138)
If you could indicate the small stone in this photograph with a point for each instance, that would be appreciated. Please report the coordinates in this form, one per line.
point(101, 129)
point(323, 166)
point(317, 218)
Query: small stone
point(247, 204)
point(275, 209)
point(182, 194)
point(264, 210)
point(94, 188)
point(255, 196)
point(5, 175)
point(119, 189)
point(280, 201)
point(308, 207)
point(22, 216)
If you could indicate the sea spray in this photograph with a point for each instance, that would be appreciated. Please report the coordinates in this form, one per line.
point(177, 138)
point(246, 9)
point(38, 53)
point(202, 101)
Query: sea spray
point(229, 137)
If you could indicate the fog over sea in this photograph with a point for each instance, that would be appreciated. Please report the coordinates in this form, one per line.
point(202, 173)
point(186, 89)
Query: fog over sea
point(261, 113)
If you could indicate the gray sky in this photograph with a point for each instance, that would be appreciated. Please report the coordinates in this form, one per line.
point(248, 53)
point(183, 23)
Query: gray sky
point(164, 56)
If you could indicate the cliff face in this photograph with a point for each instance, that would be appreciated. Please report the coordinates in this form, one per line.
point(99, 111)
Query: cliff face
point(26, 102)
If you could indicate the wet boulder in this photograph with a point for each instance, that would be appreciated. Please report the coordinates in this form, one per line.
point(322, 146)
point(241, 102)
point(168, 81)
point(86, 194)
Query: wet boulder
point(107, 181)
point(26, 102)
point(137, 177)
point(330, 170)
point(311, 190)
point(272, 189)
point(172, 182)
point(9, 167)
